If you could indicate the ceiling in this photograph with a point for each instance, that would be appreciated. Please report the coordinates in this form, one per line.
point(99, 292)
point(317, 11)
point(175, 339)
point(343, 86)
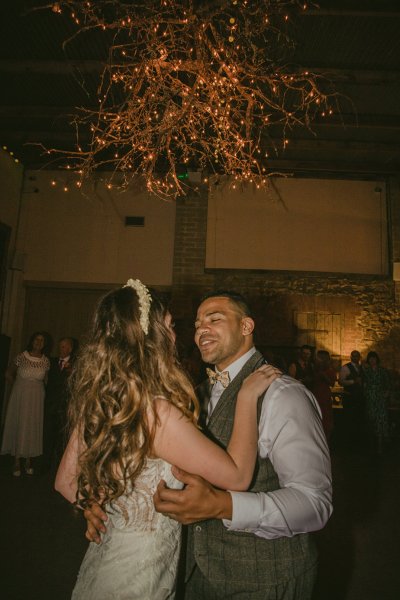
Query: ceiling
point(355, 43)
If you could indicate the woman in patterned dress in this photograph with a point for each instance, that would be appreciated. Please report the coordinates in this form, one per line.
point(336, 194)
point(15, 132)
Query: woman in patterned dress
point(376, 390)
point(23, 429)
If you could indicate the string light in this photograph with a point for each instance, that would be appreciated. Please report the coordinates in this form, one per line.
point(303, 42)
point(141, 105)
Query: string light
point(161, 106)
point(11, 154)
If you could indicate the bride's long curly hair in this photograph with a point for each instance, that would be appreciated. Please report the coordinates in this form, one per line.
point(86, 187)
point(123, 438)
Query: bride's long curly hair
point(117, 376)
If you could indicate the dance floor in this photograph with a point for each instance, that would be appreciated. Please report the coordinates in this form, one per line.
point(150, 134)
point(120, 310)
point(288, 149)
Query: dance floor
point(42, 536)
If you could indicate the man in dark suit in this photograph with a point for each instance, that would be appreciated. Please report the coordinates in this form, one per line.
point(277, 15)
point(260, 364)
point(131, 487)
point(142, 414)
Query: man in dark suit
point(351, 379)
point(56, 401)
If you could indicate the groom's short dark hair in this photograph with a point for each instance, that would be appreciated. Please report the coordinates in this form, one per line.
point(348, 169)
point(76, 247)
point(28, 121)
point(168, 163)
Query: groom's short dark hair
point(234, 297)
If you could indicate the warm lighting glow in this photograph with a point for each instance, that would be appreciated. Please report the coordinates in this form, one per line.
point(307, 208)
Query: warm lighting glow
point(196, 84)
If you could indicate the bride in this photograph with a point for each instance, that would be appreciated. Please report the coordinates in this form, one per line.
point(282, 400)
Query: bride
point(133, 415)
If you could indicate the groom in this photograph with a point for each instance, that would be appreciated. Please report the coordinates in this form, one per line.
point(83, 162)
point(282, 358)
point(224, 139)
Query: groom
point(250, 545)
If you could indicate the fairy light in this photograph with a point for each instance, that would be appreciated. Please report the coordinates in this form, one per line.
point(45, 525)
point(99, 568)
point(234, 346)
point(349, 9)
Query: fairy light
point(211, 108)
point(11, 154)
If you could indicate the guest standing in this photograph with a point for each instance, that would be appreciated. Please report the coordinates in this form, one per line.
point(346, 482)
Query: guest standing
point(302, 368)
point(23, 429)
point(351, 379)
point(56, 401)
point(376, 390)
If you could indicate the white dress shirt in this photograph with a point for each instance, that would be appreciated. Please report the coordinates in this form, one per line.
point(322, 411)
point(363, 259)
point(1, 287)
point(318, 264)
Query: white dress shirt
point(62, 361)
point(291, 436)
point(233, 370)
point(345, 375)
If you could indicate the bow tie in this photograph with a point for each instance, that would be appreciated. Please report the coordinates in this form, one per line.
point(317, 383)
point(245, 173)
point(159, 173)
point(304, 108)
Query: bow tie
point(222, 377)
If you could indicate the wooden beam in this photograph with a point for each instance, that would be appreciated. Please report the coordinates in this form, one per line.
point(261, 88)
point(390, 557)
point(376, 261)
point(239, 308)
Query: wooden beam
point(71, 67)
point(369, 168)
point(39, 112)
point(318, 168)
point(337, 120)
point(358, 121)
point(334, 145)
point(360, 76)
point(57, 139)
point(350, 12)
point(51, 67)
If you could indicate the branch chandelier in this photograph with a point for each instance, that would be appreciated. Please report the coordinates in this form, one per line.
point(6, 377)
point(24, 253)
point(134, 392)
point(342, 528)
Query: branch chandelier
point(192, 84)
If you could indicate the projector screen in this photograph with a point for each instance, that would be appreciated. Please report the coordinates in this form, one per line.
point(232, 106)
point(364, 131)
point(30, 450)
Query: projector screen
point(322, 225)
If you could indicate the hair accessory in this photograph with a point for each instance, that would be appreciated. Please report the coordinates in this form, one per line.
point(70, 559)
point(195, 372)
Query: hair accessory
point(144, 302)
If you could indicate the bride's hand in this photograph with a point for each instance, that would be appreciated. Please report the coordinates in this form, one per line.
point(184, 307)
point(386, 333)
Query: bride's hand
point(258, 382)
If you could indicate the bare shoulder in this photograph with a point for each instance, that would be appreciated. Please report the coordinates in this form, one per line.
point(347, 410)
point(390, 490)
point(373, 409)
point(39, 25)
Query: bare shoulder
point(164, 409)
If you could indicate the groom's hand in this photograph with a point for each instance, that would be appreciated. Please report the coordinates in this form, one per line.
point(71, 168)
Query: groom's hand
point(95, 519)
point(198, 500)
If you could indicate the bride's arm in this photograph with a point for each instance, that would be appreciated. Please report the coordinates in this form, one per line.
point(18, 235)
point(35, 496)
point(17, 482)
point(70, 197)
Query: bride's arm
point(66, 478)
point(180, 443)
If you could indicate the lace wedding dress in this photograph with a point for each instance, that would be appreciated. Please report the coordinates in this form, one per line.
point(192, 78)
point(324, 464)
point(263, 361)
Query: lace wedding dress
point(138, 556)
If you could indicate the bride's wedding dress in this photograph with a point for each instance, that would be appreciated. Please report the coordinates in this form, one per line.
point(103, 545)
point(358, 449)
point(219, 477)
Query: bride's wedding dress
point(138, 556)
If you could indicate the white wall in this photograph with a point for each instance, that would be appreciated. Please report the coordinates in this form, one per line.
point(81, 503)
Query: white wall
point(11, 304)
point(11, 174)
point(80, 235)
point(299, 224)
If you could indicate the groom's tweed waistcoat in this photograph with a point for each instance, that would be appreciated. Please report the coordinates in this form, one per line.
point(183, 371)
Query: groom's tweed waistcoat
point(239, 562)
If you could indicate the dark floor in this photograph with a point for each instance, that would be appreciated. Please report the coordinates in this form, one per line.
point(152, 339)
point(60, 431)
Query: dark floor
point(42, 536)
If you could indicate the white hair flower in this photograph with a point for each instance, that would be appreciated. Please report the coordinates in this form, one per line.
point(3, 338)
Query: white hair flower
point(144, 302)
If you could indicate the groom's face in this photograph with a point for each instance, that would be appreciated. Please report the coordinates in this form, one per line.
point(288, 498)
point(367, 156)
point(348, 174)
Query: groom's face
point(222, 333)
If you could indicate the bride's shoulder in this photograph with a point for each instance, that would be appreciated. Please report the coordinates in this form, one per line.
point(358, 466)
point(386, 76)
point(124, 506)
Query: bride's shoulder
point(163, 406)
point(165, 411)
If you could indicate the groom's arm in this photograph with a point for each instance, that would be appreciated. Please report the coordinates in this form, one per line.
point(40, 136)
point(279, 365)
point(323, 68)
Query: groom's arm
point(197, 501)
